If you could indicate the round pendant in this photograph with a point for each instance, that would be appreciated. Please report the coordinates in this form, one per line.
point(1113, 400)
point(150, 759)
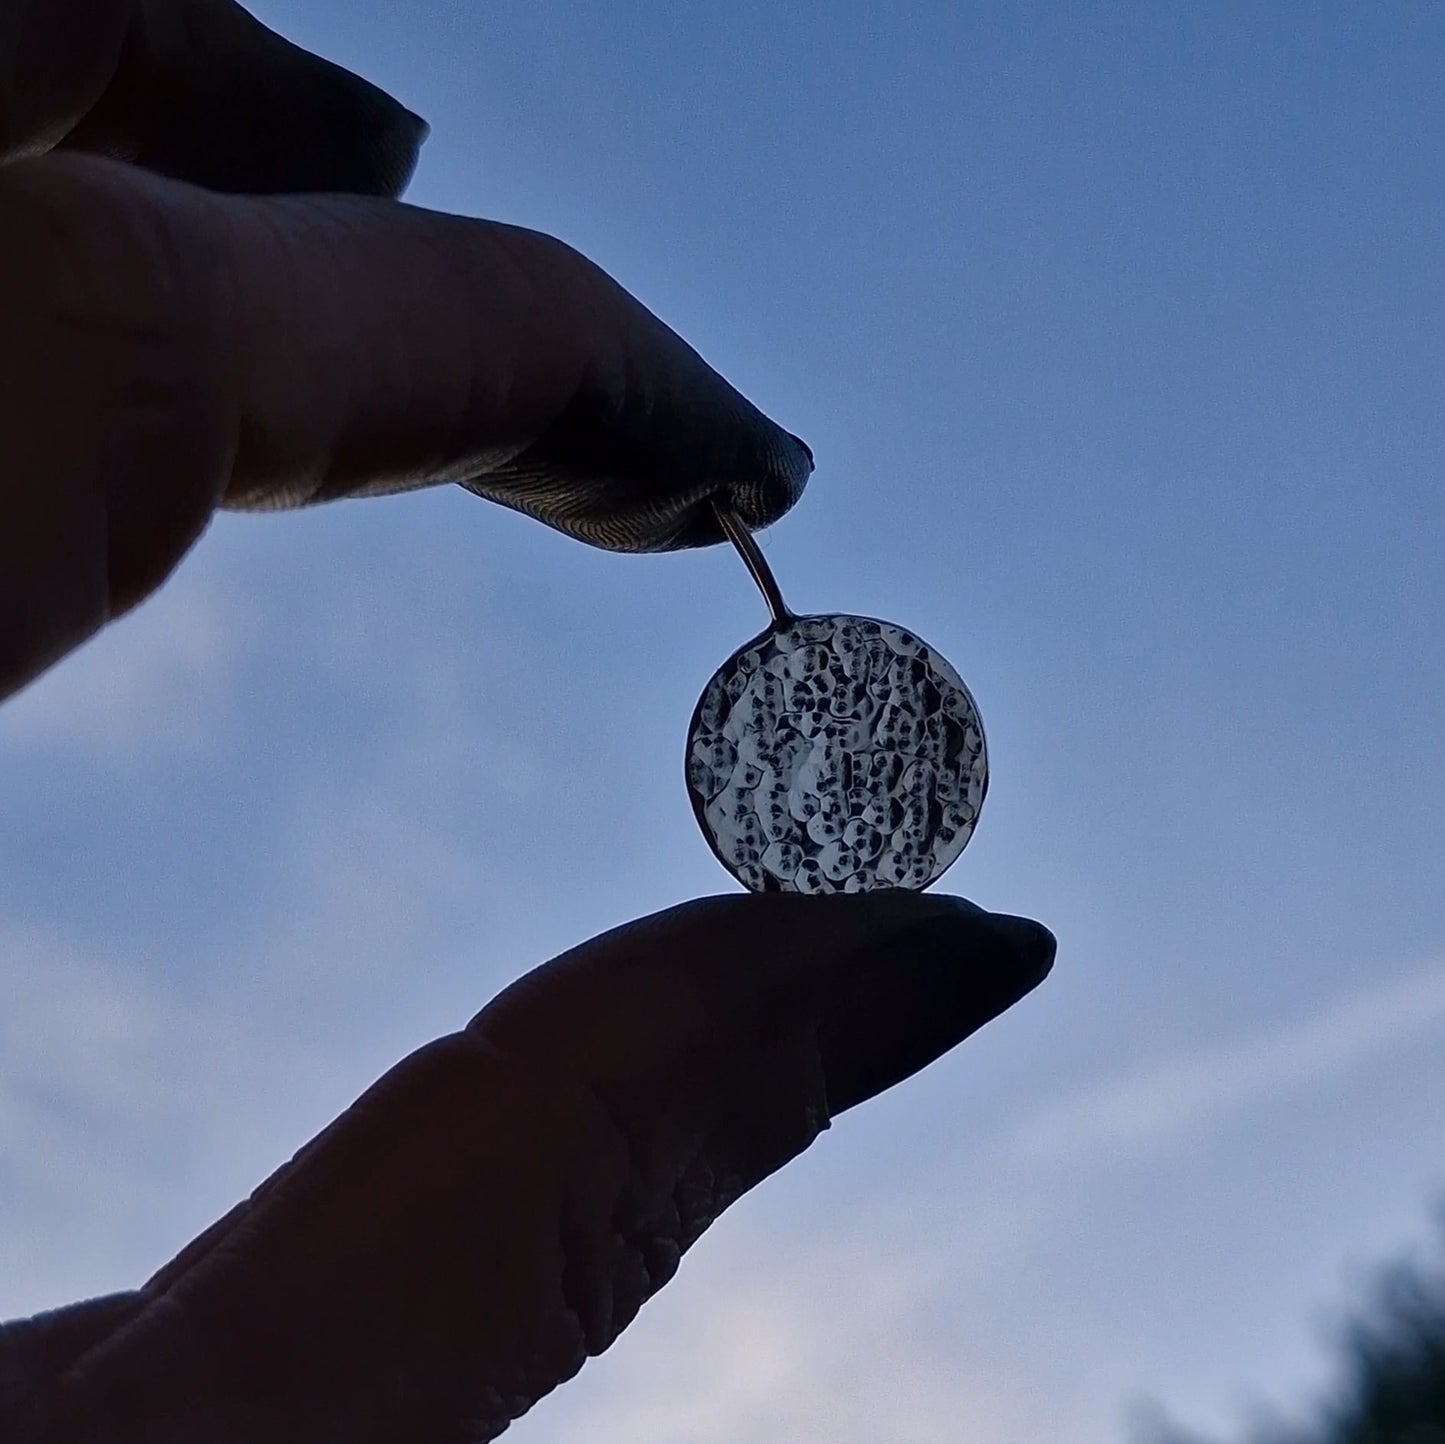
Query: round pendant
point(834, 753)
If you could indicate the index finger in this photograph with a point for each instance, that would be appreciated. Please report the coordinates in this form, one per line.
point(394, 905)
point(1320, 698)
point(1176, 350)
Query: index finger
point(165, 350)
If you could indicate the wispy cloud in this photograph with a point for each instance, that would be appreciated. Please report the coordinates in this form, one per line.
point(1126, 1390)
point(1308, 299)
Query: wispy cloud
point(127, 1115)
point(134, 1110)
point(1166, 1101)
point(765, 1341)
point(922, 1314)
point(154, 682)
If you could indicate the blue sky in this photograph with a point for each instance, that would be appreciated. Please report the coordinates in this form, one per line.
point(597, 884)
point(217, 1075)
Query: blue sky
point(1119, 332)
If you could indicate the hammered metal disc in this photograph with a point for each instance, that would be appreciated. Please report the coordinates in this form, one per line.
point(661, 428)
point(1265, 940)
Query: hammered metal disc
point(836, 754)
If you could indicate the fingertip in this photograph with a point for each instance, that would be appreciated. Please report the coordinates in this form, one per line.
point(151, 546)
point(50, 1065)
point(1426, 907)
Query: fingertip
point(212, 96)
point(918, 988)
point(766, 495)
point(1034, 946)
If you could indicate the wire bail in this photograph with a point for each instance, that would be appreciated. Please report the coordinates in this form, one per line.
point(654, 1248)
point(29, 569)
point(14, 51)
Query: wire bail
point(756, 563)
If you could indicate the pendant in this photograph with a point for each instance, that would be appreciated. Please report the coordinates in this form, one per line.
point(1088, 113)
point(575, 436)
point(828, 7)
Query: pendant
point(833, 753)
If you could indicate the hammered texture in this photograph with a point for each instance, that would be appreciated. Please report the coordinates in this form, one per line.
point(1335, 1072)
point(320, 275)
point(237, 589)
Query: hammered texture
point(836, 754)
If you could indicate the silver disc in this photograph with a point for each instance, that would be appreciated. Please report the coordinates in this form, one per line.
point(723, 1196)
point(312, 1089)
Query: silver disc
point(836, 754)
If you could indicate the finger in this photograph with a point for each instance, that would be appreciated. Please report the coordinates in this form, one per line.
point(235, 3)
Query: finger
point(33, 1352)
point(204, 92)
point(117, 424)
point(199, 90)
point(383, 347)
point(499, 1206)
point(56, 59)
point(164, 349)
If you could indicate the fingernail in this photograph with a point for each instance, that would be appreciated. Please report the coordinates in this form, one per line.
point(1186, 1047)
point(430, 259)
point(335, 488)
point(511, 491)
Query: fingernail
point(912, 995)
point(1034, 944)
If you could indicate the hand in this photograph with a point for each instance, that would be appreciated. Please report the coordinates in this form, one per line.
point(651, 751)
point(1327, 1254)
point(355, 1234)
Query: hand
point(173, 339)
point(166, 349)
point(498, 1207)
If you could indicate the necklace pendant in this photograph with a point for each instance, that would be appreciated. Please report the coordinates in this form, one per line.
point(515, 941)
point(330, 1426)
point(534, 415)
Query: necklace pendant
point(834, 753)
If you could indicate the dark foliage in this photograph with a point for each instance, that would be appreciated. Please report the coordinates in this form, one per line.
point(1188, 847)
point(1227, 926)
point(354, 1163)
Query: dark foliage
point(1391, 1387)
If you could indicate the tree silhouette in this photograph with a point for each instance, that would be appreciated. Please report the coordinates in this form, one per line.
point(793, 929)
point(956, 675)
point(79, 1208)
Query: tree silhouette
point(1391, 1375)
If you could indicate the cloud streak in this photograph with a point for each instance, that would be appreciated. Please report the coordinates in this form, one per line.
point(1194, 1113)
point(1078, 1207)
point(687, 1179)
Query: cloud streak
point(1161, 1103)
point(156, 682)
point(772, 1343)
point(120, 1108)
point(919, 1313)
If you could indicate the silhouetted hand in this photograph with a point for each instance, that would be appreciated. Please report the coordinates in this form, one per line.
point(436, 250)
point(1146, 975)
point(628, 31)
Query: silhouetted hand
point(174, 339)
point(166, 349)
point(499, 1206)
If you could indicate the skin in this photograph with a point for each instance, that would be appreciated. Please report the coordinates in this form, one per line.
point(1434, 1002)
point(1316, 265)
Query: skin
point(180, 331)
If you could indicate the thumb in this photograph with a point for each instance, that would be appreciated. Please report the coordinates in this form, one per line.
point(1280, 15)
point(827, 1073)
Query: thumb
point(501, 1204)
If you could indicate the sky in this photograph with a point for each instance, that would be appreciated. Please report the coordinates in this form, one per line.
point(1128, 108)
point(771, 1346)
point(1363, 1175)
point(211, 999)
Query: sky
point(1118, 331)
